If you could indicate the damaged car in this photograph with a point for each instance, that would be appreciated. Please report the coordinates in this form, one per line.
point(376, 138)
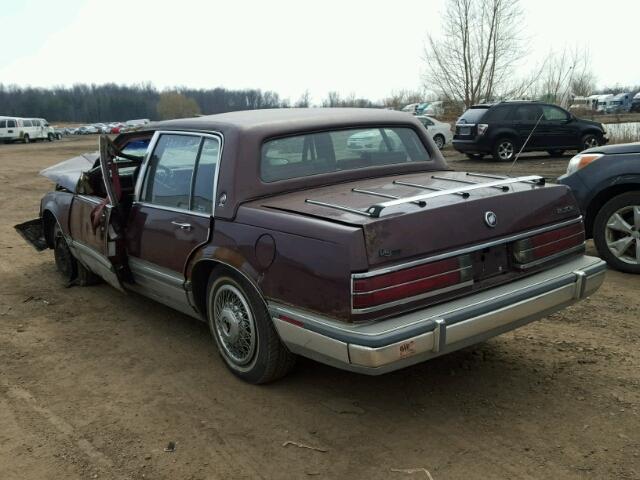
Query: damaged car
point(269, 226)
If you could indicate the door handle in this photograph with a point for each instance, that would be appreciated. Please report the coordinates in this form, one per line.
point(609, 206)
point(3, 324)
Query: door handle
point(183, 226)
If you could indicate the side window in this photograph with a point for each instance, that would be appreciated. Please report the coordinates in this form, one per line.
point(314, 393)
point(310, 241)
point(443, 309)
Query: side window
point(527, 113)
point(426, 122)
point(168, 181)
point(36, 123)
point(11, 124)
point(552, 114)
point(497, 114)
point(27, 123)
point(203, 185)
point(3, 124)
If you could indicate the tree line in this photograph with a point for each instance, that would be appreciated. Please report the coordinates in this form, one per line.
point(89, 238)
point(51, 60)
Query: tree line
point(111, 102)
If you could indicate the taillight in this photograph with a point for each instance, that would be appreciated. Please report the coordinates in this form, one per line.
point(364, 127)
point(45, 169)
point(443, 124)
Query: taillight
point(377, 291)
point(548, 244)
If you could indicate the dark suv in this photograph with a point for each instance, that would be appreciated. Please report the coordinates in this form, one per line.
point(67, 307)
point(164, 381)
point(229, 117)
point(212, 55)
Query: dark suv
point(500, 129)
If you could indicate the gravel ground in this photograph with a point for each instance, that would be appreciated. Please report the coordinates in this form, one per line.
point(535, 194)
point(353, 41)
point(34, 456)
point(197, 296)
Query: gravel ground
point(95, 384)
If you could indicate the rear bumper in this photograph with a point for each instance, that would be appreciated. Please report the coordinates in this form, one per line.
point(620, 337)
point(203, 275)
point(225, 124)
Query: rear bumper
point(383, 346)
point(471, 146)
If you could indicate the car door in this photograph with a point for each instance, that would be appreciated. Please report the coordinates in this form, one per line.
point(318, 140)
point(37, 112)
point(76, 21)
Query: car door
point(524, 119)
point(96, 224)
point(556, 129)
point(172, 213)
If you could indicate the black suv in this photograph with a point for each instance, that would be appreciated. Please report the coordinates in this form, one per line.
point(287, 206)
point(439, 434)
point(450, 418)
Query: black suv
point(500, 129)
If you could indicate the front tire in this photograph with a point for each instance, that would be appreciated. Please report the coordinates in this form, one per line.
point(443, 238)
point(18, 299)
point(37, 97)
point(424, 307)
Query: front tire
point(590, 140)
point(504, 150)
point(439, 141)
point(243, 331)
point(616, 232)
point(66, 263)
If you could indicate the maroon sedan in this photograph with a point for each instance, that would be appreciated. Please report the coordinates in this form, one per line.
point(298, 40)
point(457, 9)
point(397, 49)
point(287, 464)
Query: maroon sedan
point(336, 234)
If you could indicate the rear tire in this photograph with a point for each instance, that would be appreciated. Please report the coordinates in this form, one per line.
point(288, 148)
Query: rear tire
point(243, 331)
point(504, 150)
point(50, 137)
point(26, 139)
point(616, 232)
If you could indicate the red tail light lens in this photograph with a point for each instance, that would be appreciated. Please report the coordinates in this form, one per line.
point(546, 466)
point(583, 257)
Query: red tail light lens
point(422, 280)
point(548, 244)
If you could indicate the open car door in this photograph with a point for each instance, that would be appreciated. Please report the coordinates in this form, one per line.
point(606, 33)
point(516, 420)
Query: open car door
point(102, 246)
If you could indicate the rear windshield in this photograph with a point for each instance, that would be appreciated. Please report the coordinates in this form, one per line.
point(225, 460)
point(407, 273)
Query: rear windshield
point(328, 152)
point(473, 115)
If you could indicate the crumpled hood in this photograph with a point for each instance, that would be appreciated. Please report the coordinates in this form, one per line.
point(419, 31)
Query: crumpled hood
point(67, 173)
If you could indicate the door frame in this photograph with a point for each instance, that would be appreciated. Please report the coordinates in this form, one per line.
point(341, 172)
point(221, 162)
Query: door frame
point(155, 281)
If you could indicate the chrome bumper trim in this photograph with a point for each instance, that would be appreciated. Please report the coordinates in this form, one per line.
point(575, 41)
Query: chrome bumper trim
point(379, 347)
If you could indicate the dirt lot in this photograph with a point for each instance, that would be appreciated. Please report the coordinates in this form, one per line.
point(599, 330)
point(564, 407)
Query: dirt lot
point(95, 384)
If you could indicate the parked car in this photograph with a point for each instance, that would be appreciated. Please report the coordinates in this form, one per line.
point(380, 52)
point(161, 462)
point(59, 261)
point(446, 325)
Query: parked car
point(440, 131)
point(286, 242)
point(501, 129)
point(87, 130)
point(606, 183)
point(25, 129)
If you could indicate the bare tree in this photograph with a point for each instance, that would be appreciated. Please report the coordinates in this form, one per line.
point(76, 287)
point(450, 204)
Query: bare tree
point(304, 101)
point(476, 56)
point(565, 74)
point(400, 98)
point(335, 100)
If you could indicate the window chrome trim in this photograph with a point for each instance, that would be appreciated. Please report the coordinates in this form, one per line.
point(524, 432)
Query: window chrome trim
point(90, 199)
point(147, 158)
point(466, 250)
point(173, 209)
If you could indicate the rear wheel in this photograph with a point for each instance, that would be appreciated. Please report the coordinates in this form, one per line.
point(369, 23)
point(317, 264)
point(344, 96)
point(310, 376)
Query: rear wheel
point(555, 153)
point(50, 137)
point(590, 140)
point(616, 232)
point(26, 139)
point(504, 150)
point(439, 140)
point(243, 331)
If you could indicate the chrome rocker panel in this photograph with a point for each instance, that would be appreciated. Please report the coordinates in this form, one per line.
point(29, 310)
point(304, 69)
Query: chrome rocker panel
point(379, 347)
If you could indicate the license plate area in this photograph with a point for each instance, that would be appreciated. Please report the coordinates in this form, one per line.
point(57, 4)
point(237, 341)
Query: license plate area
point(464, 130)
point(490, 262)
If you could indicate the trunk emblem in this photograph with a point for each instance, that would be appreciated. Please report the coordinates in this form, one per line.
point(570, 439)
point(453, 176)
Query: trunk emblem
point(491, 219)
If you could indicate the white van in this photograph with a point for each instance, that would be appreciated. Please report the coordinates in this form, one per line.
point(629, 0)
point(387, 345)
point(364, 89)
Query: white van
point(25, 129)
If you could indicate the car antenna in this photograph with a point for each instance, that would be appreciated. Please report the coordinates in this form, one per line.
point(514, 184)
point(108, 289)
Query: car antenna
point(524, 145)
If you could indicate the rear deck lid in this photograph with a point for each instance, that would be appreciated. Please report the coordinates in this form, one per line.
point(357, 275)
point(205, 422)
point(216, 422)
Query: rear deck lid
point(414, 215)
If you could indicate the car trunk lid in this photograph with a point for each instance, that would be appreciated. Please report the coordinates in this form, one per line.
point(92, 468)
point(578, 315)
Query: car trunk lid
point(410, 216)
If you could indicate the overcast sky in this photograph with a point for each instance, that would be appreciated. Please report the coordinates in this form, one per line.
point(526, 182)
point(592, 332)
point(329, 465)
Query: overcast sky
point(366, 47)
